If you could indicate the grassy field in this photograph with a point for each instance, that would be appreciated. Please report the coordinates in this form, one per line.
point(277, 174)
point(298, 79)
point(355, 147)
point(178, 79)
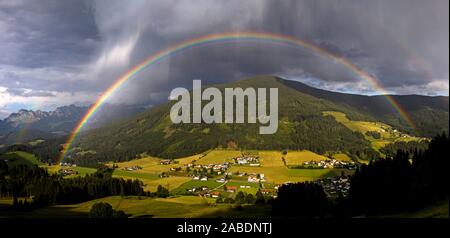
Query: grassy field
point(281, 174)
point(152, 165)
point(189, 159)
point(253, 186)
point(211, 184)
point(149, 165)
point(181, 207)
point(151, 180)
point(82, 171)
point(272, 167)
point(437, 210)
point(387, 133)
point(219, 156)
point(149, 174)
point(270, 158)
point(299, 157)
point(143, 207)
point(134, 174)
point(143, 162)
point(170, 183)
point(21, 157)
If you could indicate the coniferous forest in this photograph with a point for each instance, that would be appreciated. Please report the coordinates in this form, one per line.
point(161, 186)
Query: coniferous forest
point(405, 182)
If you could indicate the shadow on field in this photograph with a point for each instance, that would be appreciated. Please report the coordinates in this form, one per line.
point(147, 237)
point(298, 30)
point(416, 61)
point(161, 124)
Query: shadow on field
point(247, 211)
point(6, 211)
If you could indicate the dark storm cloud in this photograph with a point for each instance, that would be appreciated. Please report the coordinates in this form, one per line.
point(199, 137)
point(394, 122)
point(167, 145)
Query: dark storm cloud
point(47, 32)
point(84, 46)
point(28, 93)
point(382, 38)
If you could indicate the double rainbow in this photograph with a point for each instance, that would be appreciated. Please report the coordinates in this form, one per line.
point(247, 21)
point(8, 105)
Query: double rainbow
point(227, 37)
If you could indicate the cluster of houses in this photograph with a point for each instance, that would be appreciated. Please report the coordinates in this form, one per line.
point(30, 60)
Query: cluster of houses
point(198, 189)
point(205, 192)
point(65, 164)
point(329, 164)
point(215, 167)
point(244, 186)
point(201, 178)
point(166, 161)
point(213, 194)
point(256, 178)
point(333, 186)
point(67, 172)
point(247, 160)
point(163, 175)
point(132, 168)
point(175, 169)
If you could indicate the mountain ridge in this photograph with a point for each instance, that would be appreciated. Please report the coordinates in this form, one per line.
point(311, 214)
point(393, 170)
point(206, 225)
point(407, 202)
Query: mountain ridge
point(378, 107)
point(40, 124)
point(301, 126)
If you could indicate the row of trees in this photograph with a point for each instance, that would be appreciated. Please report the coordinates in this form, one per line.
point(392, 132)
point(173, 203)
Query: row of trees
point(390, 150)
point(243, 198)
point(105, 210)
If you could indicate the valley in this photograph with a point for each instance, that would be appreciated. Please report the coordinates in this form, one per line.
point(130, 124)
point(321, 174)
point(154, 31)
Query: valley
point(225, 170)
point(179, 179)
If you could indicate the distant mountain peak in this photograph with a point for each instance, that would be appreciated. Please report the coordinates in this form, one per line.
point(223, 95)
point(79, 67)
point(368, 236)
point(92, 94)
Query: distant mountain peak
point(61, 121)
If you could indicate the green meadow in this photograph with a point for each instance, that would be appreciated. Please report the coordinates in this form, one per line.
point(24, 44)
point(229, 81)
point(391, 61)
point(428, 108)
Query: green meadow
point(144, 207)
point(386, 132)
point(20, 157)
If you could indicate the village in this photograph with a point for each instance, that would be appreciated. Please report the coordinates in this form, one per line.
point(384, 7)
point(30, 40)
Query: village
point(247, 160)
point(132, 168)
point(219, 174)
point(335, 186)
point(328, 164)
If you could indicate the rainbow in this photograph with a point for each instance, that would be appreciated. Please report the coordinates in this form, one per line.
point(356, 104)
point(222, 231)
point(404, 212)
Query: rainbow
point(227, 37)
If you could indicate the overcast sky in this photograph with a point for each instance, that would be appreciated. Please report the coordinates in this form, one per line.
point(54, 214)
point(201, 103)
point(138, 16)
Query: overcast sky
point(58, 52)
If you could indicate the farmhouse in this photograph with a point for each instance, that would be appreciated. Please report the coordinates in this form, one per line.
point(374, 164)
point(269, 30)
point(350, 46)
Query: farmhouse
point(215, 194)
point(166, 161)
point(163, 175)
point(67, 172)
point(231, 189)
point(221, 180)
point(132, 168)
point(253, 178)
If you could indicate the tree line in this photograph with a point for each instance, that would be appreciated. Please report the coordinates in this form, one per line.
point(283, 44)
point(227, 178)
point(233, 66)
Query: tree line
point(404, 182)
point(31, 186)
